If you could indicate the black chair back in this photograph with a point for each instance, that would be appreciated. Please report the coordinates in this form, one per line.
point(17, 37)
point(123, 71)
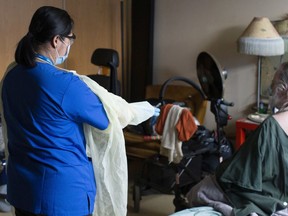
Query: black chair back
point(107, 58)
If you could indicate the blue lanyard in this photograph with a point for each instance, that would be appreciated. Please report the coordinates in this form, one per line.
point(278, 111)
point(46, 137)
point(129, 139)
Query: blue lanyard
point(44, 58)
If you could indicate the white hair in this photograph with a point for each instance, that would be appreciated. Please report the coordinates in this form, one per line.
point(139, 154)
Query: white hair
point(279, 97)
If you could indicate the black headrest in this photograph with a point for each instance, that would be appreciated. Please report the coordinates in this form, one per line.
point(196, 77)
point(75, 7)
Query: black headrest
point(105, 57)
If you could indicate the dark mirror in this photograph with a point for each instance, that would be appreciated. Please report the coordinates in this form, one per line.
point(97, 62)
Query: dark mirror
point(210, 76)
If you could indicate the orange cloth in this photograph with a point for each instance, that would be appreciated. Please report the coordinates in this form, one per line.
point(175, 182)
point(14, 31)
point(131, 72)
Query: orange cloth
point(185, 126)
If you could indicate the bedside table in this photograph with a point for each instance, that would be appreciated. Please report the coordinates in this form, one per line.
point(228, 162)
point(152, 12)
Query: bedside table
point(242, 125)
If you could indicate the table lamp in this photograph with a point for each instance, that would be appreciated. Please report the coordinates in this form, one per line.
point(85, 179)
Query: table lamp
point(260, 38)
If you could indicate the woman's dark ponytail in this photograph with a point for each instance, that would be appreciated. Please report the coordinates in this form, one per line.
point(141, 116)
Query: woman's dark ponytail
point(25, 54)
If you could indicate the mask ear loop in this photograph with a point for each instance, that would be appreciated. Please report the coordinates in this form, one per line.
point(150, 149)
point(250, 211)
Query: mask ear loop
point(60, 59)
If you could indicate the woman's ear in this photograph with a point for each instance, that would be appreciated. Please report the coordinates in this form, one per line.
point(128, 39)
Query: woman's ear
point(55, 41)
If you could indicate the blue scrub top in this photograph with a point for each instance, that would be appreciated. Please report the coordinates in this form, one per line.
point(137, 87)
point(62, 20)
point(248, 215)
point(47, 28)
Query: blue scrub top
point(48, 170)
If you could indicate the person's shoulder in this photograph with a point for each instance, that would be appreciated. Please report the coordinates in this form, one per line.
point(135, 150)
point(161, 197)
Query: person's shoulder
point(62, 69)
point(58, 71)
point(267, 123)
point(280, 115)
point(71, 73)
point(10, 70)
point(11, 66)
point(281, 119)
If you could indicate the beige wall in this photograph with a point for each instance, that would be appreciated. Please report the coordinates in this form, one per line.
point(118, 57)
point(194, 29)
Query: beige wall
point(97, 24)
point(15, 16)
point(184, 28)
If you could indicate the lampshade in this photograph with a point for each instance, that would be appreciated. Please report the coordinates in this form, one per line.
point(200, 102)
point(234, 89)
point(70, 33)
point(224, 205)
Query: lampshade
point(261, 38)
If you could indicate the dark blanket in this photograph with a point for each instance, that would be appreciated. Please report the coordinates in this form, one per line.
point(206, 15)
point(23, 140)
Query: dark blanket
point(255, 179)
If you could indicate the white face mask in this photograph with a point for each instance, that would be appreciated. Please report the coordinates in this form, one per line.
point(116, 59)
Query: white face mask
point(60, 59)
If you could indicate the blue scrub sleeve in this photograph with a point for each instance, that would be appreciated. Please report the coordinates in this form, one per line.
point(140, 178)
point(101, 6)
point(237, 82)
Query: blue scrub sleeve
point(82, 105)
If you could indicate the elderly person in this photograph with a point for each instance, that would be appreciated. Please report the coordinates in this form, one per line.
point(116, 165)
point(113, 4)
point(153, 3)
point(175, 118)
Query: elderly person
point(255, 180)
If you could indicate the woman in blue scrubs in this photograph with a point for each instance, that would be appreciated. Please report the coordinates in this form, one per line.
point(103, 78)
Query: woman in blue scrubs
point(45, 108)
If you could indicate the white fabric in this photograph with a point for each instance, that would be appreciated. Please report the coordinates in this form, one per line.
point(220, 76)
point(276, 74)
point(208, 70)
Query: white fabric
point(106, 147)
point(171, 146)
point(107, 150)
